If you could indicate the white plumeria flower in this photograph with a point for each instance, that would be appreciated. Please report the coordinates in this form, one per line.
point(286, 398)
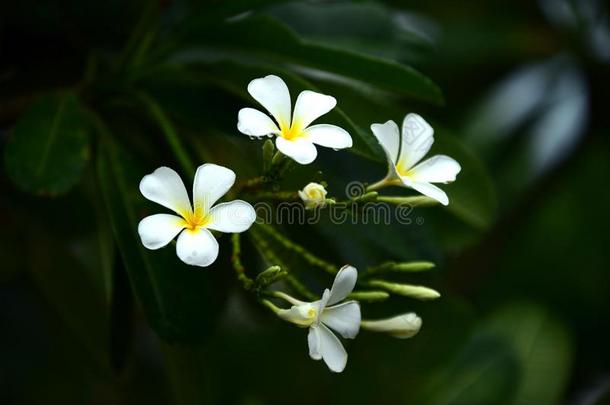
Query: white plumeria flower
point(404, 170)
point(400, 326)
point(295, 136)
point(313, 195)
point(196, 245)
point(319, 315)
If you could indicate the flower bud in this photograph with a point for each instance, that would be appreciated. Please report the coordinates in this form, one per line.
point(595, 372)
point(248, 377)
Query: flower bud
point(313, 195)
point(400, 326)
point(408, 290)
point(369, 296)
point(270, 276)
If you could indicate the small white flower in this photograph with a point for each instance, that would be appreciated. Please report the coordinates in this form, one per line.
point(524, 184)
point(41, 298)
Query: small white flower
point(320, 315)
point(404, 170)
point(313, 195)
point(196, 245)
point(295, 138)
point(400, 326)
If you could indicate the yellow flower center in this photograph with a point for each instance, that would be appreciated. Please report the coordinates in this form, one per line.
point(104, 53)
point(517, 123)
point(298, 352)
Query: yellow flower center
point(311, 313)
point(196, 220)
point(291, 132)
point(402, 169)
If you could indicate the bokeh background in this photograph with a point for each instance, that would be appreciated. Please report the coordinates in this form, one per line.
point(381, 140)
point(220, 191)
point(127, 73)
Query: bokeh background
point(517, 92)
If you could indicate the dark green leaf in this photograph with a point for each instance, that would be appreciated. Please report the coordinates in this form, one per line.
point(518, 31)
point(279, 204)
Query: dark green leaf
point(181, 302)
point(49, 147)
point(543, 348)
point(485, 372)
point(265, 37)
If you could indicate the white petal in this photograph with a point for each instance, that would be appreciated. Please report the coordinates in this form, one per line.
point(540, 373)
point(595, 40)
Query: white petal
point(158, 230)
point(255, 123)
point(344, 283)
point(331, 349)
point(300, 149)
point(330, 136)
point(197, 248)
point(313, 341)
point(389, 138)
point(343, 318)
point(273, 94)
point(232, 217)
point(437, 169)
point(417, 139)
point(164, 186)
point(302, 315)
point(310, 106)
point(428, 189)
point(211, 182)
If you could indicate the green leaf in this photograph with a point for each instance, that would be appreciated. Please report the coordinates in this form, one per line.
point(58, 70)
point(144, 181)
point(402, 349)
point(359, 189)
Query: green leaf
point(543, 348)
point(49, 147)
point(472, 197)
point(181, 302)
point(265, 37)
point(485, 372)
point(65, 257)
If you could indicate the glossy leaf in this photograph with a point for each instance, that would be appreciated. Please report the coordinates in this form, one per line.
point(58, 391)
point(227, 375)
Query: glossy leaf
point(485, 372)
point(543, 348)
point(181, 302)
point(49, 147)
point(267, 38)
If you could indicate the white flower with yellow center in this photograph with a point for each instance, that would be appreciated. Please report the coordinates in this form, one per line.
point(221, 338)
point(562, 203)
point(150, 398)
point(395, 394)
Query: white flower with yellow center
point(196, 245)
point(404, 156)
point(323, 314)
point(400, 326)
point(313, 195)
point(295, 136)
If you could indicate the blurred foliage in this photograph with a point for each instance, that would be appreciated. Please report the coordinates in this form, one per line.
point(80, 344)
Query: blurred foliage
point(93, 95)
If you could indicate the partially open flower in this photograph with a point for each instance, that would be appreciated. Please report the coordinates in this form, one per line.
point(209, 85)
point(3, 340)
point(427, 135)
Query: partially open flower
point(400, 326)
point(313, 195)
point(196, 245)
point(295, 136)
point(405, 168)
point(321, 315)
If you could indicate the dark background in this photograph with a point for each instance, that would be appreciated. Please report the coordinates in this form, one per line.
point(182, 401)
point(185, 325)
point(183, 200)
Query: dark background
point(522, 252)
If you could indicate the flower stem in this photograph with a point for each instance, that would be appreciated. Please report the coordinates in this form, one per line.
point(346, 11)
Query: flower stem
point(270, 305)
point(415, 201)
point(240, 270)
point(300, 250)
point(271, 257)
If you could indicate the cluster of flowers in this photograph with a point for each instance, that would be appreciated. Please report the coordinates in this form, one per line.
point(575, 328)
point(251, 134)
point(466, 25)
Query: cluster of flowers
point(297, 139)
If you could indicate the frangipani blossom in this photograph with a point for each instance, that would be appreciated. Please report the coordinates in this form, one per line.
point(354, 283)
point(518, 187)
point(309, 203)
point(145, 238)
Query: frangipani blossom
point(323, 314)
point(400, 326)
point(405, 168)
point(196, 245)
point(295, 136)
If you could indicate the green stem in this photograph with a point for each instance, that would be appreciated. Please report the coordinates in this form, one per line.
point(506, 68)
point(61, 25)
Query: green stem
point(169, 132)
point(240, 270)
point(272, 258)
point(415, 201)
point(270, 305)
point(300, 250)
